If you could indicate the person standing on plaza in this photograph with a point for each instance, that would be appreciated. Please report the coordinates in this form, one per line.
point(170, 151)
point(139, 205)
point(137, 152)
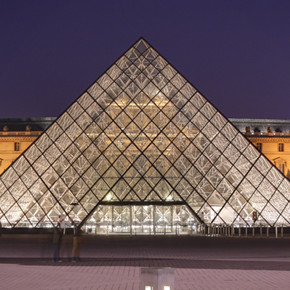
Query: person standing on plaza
point(56, 240)
point(77, 241)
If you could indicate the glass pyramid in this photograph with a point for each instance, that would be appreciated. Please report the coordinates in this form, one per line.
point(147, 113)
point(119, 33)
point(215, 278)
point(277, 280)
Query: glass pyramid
point(143, 151)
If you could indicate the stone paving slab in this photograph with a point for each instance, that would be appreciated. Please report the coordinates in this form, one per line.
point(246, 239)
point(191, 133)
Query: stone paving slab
point(59, 277)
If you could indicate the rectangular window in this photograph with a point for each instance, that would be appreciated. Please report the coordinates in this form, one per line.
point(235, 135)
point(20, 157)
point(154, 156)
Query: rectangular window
point(281, 167)
point(259, 146)
point(281, 147)
point(16, 146)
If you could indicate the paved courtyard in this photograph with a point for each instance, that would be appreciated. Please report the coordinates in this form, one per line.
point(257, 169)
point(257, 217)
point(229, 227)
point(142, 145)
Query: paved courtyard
point(116, 262)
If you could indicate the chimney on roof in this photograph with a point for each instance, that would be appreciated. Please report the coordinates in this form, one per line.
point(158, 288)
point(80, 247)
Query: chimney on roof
point(248, 130)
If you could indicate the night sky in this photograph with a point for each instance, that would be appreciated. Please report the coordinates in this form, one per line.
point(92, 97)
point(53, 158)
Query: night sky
point(237, 53)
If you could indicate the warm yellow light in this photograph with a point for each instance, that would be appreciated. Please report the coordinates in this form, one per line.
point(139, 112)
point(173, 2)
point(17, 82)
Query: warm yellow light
point(148, 288)
point(109, 196)
point(166, 288)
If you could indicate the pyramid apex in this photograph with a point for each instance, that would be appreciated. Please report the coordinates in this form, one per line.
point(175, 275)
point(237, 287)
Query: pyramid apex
point(142, 45)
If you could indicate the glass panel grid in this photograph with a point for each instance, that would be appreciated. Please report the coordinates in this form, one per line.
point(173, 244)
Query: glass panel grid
point(142, 133)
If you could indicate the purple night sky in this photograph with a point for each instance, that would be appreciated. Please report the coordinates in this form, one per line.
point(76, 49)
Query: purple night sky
point(237, 53)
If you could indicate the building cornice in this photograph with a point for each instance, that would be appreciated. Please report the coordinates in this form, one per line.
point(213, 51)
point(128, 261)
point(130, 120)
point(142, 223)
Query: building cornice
point(17, 138)
point(269, 139)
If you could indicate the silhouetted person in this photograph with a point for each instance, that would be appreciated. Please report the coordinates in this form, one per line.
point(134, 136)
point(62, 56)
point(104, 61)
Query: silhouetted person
point(56, 240)
point(77, 241)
